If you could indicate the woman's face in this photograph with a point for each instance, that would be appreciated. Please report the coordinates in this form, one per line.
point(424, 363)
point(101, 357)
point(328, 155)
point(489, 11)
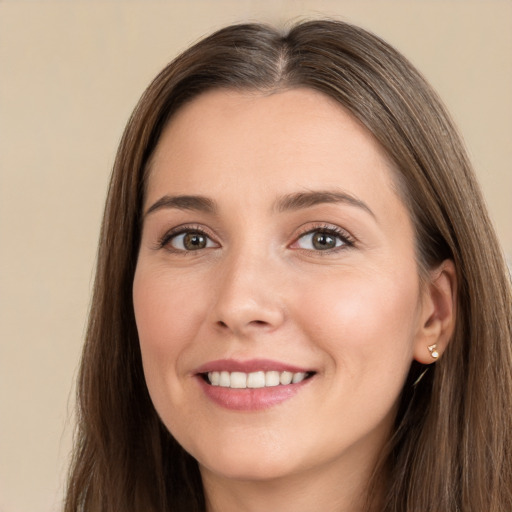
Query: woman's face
point(275, 248)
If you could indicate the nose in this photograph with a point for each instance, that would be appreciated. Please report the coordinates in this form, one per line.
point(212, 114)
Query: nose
point(249, 296)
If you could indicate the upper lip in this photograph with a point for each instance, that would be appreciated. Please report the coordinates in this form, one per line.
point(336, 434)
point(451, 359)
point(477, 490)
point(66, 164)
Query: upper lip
point(251, 365)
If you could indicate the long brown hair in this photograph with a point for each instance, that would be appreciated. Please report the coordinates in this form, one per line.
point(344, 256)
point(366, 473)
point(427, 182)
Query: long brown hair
point(452, 446)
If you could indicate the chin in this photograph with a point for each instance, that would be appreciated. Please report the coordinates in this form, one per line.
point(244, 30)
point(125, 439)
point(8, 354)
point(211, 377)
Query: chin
point(248, 466)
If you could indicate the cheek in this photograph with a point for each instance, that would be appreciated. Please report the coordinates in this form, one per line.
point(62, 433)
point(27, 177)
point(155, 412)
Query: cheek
point(167, 309)
point(364, 321)
point(366, 327)
point(164, 311)
point(167, 312)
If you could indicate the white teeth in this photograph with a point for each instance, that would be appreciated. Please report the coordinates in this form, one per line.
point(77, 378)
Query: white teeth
point(214, 378)
point(224, 380)
point(286, 378)
point(298, 377)
point(238, 380)
point(254, 380)
point(271, 379)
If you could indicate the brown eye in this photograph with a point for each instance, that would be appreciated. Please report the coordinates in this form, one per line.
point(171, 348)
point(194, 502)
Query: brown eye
point(323, 241)
point(191, 241)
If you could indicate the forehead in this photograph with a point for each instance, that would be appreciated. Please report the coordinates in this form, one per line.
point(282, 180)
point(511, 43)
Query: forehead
point(250, 144)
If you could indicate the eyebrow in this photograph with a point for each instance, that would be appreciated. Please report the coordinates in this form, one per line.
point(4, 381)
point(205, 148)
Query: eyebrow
point(290, 202)
point(302, 200)
point(196, 203)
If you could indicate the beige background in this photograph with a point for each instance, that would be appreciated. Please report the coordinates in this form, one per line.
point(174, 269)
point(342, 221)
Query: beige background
point(70, 73)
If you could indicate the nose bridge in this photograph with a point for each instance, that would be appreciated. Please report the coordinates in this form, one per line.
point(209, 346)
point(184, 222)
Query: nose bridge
point(247, 298)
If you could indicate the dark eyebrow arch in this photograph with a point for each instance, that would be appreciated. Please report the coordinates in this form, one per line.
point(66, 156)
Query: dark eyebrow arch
point(302, 200)
point(197, 203)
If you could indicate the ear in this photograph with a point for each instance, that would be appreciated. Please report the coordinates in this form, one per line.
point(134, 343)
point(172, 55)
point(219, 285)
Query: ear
point(437, 319)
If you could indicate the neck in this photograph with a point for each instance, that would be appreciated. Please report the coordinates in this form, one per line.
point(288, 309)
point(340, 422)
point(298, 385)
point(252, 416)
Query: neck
point(336, 490)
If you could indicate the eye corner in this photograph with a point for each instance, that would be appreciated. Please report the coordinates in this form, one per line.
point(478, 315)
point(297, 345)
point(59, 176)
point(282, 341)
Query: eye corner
point(187, 239)
point(323, 239)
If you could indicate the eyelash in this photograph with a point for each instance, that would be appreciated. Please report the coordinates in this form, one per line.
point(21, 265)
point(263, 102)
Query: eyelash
point(347, 240)
point(164, 241)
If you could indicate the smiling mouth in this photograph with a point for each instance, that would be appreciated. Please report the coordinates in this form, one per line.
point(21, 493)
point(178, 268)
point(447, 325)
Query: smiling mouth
point(254, 380)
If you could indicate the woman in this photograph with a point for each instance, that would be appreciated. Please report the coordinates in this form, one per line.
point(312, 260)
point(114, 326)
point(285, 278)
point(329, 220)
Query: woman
point(300, 302)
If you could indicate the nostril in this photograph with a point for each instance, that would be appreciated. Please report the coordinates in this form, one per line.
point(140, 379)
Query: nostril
point(254, 323)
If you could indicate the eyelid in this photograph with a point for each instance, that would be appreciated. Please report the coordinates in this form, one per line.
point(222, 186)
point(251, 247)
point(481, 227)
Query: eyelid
point(163, 242)
point(347, 239)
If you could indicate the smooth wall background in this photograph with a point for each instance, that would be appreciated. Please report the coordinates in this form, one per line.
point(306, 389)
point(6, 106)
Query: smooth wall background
point(70, 74)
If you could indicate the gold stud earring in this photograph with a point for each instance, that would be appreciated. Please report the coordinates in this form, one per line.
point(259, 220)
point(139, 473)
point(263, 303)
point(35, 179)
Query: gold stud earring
point(433, 351)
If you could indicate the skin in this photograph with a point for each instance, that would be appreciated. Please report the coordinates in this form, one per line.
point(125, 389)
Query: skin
point(356, 314)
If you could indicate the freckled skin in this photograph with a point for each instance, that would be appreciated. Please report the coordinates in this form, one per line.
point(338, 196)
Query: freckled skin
point(354, 315)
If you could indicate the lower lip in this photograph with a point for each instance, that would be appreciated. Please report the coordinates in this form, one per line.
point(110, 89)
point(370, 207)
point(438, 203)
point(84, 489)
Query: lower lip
point(250, 399)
